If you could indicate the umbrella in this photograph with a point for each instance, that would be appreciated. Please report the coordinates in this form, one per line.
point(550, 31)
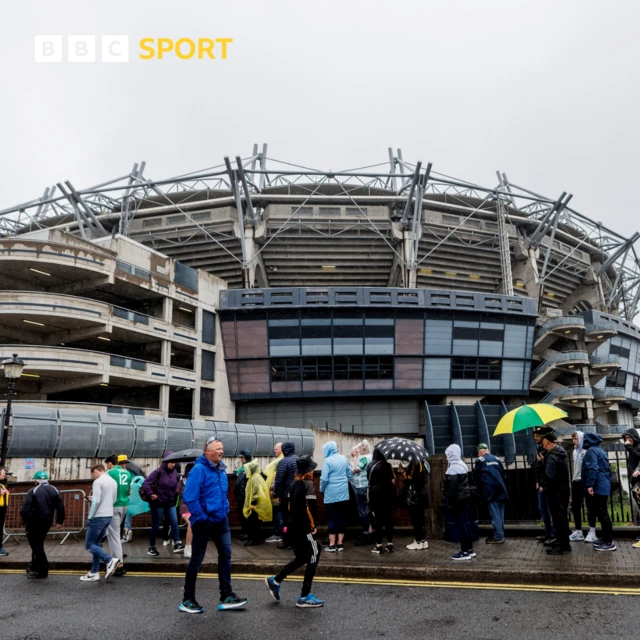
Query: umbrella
point(402, 449)
point(186, 455)
point(528, 416)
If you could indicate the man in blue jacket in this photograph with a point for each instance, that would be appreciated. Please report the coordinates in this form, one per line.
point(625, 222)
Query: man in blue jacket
point(596, 479)
point(205, 495)
point(489, 476)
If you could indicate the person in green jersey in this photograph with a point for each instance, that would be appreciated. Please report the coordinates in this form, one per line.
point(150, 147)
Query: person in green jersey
point(117, 469)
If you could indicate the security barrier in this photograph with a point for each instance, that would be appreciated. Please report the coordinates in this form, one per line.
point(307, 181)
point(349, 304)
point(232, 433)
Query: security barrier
point(76, 507)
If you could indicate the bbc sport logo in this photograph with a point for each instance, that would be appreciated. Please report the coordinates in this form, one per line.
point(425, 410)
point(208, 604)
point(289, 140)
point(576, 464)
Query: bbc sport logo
point(115, 48)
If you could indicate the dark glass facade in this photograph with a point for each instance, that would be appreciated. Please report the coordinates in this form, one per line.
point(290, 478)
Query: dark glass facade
point(311, 350)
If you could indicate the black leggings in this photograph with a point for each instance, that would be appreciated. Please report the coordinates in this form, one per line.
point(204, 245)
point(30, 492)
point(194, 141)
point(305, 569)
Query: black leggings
point(383, 513)
point(307, 551)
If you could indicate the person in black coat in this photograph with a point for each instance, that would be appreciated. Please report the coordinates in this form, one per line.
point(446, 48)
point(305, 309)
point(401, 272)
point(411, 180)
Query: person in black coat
point(40, 505)
point(415, 496)
point(382, 499)
point(458, 500)
point(301, 527)
point(555, 486)
point(286, 472)
point(240, 491)
point(632, 445)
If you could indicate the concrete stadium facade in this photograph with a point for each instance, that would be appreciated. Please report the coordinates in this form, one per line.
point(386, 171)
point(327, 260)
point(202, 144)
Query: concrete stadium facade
point(387, 299)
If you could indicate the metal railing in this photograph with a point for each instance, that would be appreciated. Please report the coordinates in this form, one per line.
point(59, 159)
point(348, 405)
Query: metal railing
point(609, 392)
point(602, 325)
point(556, 358)
point(522, 506)
point(76, 508)
point(611, 359)
point(563, 392)
point(563, 321)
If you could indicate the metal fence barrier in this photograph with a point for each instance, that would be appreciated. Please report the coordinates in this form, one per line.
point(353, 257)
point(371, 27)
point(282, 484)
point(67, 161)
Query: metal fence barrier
point(75, 507)
point(522, 506)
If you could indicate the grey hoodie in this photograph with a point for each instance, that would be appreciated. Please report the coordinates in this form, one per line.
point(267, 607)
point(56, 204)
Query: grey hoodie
point(578, 457)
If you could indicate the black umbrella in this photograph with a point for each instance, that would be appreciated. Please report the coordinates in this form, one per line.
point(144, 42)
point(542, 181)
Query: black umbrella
point(186, 455)
point(402, 449)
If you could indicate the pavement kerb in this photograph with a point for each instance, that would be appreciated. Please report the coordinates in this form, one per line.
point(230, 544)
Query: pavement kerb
point(447, 573)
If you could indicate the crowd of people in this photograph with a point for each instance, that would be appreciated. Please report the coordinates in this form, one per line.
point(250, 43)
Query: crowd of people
point(284, 494)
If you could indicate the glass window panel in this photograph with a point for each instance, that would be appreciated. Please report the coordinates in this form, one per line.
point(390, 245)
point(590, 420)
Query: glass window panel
point(316, 346)
point(437, 372)
point(284, 347)
point(285, 370)
point(378, 345)
point(347, 345)
point(438, 336)
point(465, 347)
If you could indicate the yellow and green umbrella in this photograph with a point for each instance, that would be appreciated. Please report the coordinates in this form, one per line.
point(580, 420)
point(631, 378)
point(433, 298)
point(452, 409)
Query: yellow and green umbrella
point(528, 416)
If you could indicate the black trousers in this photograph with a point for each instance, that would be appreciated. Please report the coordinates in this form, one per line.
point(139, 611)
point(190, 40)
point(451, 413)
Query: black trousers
point(577, 500)
point(3, 515)
point(252, 524)
point(416, 513)
point(36, 535)
point(558, 506)
point(307, 551)
point(597, 505)
point(383, 512)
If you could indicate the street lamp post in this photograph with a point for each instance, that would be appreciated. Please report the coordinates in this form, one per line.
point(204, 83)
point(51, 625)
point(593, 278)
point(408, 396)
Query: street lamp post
point(12, 371)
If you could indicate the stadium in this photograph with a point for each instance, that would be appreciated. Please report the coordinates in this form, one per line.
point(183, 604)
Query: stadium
point(384, 299)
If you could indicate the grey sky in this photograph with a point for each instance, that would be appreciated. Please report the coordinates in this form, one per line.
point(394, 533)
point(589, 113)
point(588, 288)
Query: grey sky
point(546, 91)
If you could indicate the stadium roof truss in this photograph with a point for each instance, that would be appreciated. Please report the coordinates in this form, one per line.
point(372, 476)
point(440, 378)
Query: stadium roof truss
point(248, 185)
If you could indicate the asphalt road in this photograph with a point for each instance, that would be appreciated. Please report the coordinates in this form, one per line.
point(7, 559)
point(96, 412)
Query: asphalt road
point(144, 607)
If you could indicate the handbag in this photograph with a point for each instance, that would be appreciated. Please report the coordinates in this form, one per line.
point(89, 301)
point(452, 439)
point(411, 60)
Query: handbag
point(147, 498)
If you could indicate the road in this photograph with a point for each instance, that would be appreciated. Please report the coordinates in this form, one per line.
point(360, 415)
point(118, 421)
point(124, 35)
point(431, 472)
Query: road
point(135, 607)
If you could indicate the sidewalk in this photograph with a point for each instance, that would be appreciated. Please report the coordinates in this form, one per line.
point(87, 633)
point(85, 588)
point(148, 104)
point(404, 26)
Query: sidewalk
point(518, 561)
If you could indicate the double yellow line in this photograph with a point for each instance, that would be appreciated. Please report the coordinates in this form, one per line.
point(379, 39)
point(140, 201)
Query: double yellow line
point(487, 586)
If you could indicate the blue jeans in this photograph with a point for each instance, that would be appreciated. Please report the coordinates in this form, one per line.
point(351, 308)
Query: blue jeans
point(496, 514)
point(128, 521)
point(278, 521)
point(156, 517)
point(221, 535)
point(543, 507)
point(362, 501)
point(96, 531)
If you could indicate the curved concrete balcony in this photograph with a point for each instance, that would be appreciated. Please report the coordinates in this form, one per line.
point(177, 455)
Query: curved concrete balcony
point(609, 395)
point(575, 396)
point(556, 364)
point(600, 366)
point(57, 369)
point(567, 327)
point(53, 263)
point(55, 318)
point(598, 332)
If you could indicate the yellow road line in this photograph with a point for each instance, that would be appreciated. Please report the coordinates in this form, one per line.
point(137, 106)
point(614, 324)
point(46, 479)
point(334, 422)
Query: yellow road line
point(487, 586)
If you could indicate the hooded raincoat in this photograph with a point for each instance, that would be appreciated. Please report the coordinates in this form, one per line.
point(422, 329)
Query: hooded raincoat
point(456, 487)
point(596, 471)
point(578, 457)
point(336, 471)
point(257, 493)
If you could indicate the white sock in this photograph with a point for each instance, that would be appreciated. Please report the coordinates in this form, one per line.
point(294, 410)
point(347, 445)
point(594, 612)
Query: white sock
point(592, 530)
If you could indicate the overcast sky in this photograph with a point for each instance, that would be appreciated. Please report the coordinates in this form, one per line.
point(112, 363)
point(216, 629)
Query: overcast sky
point(544, 90)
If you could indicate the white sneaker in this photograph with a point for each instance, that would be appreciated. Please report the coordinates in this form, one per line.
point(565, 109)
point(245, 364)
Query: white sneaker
point(111, 567)
point(165, 543)
point(91, 577)
point(591, 537)
point(187, 551)
point(129, 535)
point(576, 536)
point(425, 544)
point(414, 546)
point(274, 539)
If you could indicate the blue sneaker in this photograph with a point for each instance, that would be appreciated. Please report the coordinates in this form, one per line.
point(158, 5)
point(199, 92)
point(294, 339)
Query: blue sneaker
point(190, 606)
point(309, 601)
point(274, 588)
point(232, 602)
point(605, 546)
point(461, 555)
point(4, 552)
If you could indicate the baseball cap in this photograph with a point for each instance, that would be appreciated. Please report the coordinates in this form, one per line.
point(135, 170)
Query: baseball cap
point(482, 445)
point(122, 458)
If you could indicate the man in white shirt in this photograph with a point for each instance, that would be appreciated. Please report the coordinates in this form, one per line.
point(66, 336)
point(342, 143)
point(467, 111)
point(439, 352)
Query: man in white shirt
point(104, 494)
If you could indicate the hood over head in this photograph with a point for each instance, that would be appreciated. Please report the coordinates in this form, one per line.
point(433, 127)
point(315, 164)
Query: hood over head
point(251, 467)
point(633, 434)
point(165, 464)
point(580, 441)
point(454, 457)
point(288, 448)
point(591, 440)
point(329, 448)
point(377, 455)
point(246, 455)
